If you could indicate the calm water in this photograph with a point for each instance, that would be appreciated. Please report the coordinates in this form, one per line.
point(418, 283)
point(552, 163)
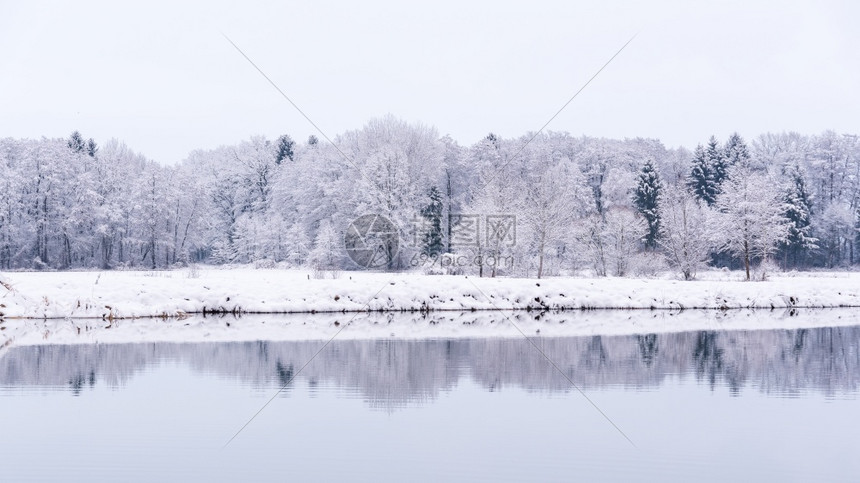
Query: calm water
point(700, 406)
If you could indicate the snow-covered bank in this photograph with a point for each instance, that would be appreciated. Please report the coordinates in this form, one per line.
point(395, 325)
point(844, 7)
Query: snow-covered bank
point(128, 294)
point(412, 326)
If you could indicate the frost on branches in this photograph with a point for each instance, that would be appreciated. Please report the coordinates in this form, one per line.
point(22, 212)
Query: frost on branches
point(608, 207)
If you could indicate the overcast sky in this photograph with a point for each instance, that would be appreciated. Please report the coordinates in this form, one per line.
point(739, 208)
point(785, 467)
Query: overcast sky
point(162, 78)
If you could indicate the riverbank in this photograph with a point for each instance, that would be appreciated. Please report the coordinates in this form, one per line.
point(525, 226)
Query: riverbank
point(412, 326)
point(133, 294)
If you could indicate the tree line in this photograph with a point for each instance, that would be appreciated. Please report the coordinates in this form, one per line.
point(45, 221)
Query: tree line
point(580, 204)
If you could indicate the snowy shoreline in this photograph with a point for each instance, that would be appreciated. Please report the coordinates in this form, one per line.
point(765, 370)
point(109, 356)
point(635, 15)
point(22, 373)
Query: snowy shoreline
point(179, 293)
point(411, 326)
point(136, 307)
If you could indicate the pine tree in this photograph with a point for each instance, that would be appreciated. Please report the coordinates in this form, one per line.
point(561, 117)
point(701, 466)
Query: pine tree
point(92, 148)
point(646, 198)
point(432, 213)
point(701, 181)
point(312, 140)
point(76, 142)
point(284, 149)
point(734, 153)
point(716, 159)
point(492, 139)
point(798, 211)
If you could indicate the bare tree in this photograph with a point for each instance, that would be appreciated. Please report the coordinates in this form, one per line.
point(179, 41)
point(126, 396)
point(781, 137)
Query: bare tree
point(686, 232)
point(751, 219)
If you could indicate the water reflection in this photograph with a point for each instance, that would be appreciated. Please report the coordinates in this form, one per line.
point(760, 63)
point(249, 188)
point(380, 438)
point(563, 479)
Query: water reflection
point(391, 373)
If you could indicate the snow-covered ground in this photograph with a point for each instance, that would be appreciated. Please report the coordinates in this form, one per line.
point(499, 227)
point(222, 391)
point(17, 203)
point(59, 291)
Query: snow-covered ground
point(128, 294)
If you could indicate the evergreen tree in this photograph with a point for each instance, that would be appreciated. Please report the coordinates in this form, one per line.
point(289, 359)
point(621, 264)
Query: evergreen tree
point(734, 153)
point(716, 159)
point(646, 198)
point(432, 213)
point(492, 139)
point(92, 148)
point(798, 211)
point(284, 149)
point(312, 140)
point(701, 181)
point(76, 142)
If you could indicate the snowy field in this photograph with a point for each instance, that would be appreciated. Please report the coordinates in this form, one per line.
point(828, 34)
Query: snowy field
point(132, 294)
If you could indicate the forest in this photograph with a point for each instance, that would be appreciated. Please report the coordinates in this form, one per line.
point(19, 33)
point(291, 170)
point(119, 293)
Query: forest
point(577, 205)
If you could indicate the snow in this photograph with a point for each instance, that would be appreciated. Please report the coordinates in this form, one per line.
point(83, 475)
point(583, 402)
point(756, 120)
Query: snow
point(410, 326)
point(129, 306)
point(132, 294)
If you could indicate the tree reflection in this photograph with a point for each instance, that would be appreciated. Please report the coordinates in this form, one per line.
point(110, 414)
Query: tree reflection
point(391, 373)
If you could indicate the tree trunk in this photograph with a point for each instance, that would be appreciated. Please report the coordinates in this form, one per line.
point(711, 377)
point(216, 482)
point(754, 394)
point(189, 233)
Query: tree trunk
point(67, 252)
point(449, 193)
point(152, 250)
point(107, 248)
point(540, 255)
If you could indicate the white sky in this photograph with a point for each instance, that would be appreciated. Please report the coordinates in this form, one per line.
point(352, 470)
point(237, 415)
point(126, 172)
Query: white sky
point(162, 78)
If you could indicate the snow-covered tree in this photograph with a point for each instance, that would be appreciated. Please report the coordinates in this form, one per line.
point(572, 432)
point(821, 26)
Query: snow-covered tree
point(297, 245)
point(833, 162)
point(649, 188)
point(77, 143)
point(623, 231)
point(856, 250)
point(257, 167)
point(751, 220)
point(494, 192)
point(686, 232)
point(395, 165)
point(15, 228)
point(555, 196)
point(590, 244)
point(328, 250)
point(609, 243)
point(457, 176)
point(70, 203)
point(92, 148)
point(701, 181)
point(799, 242)
point(431, 238)
point(719, 163)
point(835, 229)
point(284, 149)
point(735, 153)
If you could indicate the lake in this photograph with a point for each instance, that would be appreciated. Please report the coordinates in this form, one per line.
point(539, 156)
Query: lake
point(701, 405)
